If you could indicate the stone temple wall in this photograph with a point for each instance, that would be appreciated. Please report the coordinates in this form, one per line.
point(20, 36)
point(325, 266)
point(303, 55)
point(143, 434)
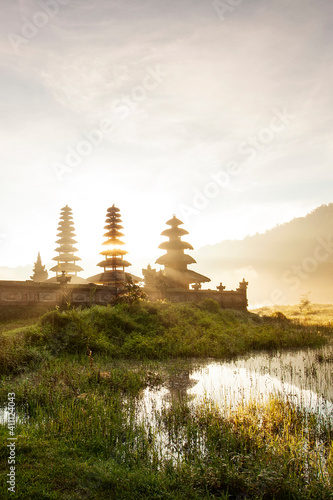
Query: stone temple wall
point(25, 293)
point(228, 299)
point(52, 294)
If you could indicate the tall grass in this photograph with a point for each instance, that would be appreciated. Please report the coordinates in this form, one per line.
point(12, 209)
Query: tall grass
point(12, 317)
point(153, 331)
point(93, 445)
point(80, 434)
point(314, 314)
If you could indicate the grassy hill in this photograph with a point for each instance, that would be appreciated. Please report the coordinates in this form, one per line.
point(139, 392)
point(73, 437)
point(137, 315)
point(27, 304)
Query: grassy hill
point(146, 330)
point(78, 431)
point(280, 264)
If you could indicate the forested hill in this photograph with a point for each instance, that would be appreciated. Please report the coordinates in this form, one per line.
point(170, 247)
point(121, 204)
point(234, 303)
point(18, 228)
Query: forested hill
point(281, 264)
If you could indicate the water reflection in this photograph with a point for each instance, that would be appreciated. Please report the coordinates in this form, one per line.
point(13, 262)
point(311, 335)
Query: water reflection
point(21, 415)
point(304, 377)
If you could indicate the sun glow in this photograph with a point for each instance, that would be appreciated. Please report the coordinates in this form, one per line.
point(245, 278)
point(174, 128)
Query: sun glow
point(111, 248)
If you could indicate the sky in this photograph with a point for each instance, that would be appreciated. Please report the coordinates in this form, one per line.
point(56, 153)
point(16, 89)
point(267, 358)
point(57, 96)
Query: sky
point(217, 111)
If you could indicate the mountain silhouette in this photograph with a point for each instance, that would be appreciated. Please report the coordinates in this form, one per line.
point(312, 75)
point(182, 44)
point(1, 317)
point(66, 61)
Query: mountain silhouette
point(281, 264)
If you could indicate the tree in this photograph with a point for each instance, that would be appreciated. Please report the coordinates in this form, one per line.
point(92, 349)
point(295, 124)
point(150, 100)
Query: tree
point(132, 293)
point(157, 279)
point(305, 304)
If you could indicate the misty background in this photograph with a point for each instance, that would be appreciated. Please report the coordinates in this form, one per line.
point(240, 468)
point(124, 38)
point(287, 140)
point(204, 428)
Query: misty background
point(218, 113)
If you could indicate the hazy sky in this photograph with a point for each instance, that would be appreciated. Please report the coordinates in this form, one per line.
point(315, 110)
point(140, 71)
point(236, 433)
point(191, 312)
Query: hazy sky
point(218, 112)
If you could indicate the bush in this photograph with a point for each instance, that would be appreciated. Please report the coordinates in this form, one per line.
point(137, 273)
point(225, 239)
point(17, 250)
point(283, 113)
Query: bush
point(16, 356)
point(142, 330)
point(280, 316)
point(210, 305)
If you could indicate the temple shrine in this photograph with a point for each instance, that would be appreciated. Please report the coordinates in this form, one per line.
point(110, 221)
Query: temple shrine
point(66, 258)
point(113, 264)
point(39, 271)
point(175, 282)
point(175, 261)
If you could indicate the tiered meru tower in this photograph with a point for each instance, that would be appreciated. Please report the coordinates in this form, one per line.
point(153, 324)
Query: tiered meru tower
point(175, 261)
point(114, 264)
point(66, 258)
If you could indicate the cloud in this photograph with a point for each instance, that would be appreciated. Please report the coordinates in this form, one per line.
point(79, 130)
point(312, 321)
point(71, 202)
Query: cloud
point(222, 83)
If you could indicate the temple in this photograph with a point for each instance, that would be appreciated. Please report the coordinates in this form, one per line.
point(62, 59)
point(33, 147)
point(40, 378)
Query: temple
point(174, 283)
point(113, 264)
point(175, 261)
point(66, 258)
point(39, 272)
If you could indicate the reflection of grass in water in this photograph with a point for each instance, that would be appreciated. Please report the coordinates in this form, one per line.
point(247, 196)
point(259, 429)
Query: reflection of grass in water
point(274, 448)
point(83, 440)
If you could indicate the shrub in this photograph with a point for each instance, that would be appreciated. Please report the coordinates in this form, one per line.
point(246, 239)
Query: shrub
point(210, 305)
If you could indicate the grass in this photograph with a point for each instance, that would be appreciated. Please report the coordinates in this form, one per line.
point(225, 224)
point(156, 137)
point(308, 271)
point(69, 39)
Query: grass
point(153, 331)
point(95, 448)
point(77, 377)
point(15, 317)
point(313, 314)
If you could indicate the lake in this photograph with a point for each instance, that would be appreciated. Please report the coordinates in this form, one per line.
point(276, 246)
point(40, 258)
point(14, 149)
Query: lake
point(304, 377)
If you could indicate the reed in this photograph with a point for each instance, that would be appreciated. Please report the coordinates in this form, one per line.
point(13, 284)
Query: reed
point(80, 430)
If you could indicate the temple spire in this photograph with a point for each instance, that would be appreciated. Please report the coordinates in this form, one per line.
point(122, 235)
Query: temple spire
point(66, 258)
point(39, 271)
point(175, 261)
point(113, 263)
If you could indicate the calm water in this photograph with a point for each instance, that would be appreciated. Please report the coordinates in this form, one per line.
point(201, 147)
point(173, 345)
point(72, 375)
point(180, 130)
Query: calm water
point(305, 377)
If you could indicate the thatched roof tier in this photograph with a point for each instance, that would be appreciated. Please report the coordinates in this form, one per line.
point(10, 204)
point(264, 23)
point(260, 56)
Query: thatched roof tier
point(113, 241)
point(174, 232)
point(66, 248)
point(115, 251)
point(114, 233)
point(175, 259)
point(186, 277)
point(67, 267)
point(66, 228)
point(175, 245)
point(113, 209)
point(66, 257)
point(114, 262)
point(66, 239)
point(112, 277)
point(174, 222)
point(111, 224)
point(113, 217)
point(66, 234)
point(66, 221)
